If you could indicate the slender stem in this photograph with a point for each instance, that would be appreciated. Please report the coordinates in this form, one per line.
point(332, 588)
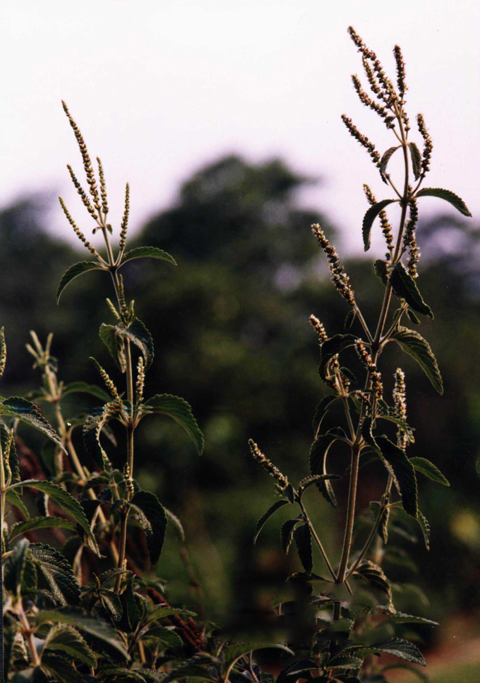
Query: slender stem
point(28, 632)
point(363, 324)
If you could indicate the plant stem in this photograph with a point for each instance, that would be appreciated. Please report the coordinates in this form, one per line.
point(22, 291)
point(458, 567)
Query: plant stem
point(28, 632)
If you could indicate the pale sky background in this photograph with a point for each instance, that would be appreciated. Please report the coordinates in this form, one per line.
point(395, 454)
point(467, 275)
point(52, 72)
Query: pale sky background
point(160, 87)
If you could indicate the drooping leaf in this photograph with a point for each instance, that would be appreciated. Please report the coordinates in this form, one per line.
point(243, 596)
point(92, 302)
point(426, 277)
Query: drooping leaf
point(130, 609)
point(381, 270)
point(93, 427)
point(14, 499)
point(303, 541)
point(398, 647)
point(137, 333)
point(287, 534)
point(85, 388)
point(164, 635)
point(7, 440)
point(375, 575)
point(448, 196)
point(331, 347)
point(15, 567)
point(73, 272)
point(318, 462)
point(153, 521)
point(112, 603)
point(92, 625)
point(234, 652)
point(369, 218)
point(147, 252)
point(425, 527)
point(417, 347)
point(405, 287)
point(162, 612)
point(349, 319)
point(401, 618)
point(263, 519)
point(429, 470)
point(384, 162)
point(66, 502)
point(320, 412)
point(180, 411)
point(39, 523)
point(63, 638)
point(413, 317)
point(57, 572)
point(176, 523)
point(114, 343)
point(24, 410)
point(61, 671)
point(416, 160)
point(402, 472)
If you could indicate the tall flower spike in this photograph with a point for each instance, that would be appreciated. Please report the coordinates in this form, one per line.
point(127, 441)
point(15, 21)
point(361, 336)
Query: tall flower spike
point(387, 91)
point(107, 381)
point(319, 328)
point(140, 380)
point(362, 139)
point(122, 301)
point(339, 278)
point(126, 213)
point(87, 164)
point(384, 222)
point(371, 104)
point(77, 230)
point(400, 71)
point(103, 187)
point(428, 144)
point(400, 403)
point(267, 464)
point(3, 351)
point(82, 193)
point(375, 375)
point(410, 240)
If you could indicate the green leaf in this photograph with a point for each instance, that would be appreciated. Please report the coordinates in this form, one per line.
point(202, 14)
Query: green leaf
point(402, 472)
point(23, 410)
point(92, 429)
point(147, 252)
point(417, 347)
point(318, 463)
point(375, 575)
point(287, 534)
point(232, 653)
point(198, 667)
point(398, 647)
point(448, 196)
point(416, 160)
point(162, 612)
point(84, 388)
point(180, 411)
point(15, 567)
point(114, 343)
point(153, 521)
point(429, 470)
point(425, 527)
point(320, 412)
point(92, 625)
point(164, 635)
point(138, 334)
point(331, 347)
point(39, 523)
point(369, 218)
point(349, 319)
point(66, 502)
point(14, 499)
point(381, 270)
point(401, 618)
point(303, 541)
point(413, 317)
point(73, 272)
point(67, 639)
point(61, 670)
point(176, 523)
point(7, 438)
point(384, 162)
point(112, 603)
point(344, 662)
point(405, 288)
point(57, 572)
point(271, 510)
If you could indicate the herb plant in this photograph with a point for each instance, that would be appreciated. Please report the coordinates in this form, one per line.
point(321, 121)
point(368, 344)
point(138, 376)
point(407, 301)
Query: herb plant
point(348, 625)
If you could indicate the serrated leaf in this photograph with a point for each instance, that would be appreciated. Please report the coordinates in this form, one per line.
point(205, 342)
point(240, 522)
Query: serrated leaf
point(401, 618)
point(6, 438)
point(180, 411)
point(416, 160)
point(405, 288)
point(369, 218)
point(147, 252)
point(384, 162)
point(164, 635)
point(39, 523)
point(73, 272)
point(381, 270)
point(57, 572)
point(138, 334)
point(93, 427)
point(320, 412)
point(425, 527)
point(15, 500)
point(153, 521)
point(162, 612)
point(23, 410)
point(112, 603)
point(331, 347)
point(287, 534)
point(66, 502)
point(402, 472)
point(417, 347)
point(375, 575)
point(413, 317)
point(344, 662)
point(114, 343)
point(233, 653)
point(93, 625)
point(398, 647)
point(448, 196)
point(85, 388)
point(318, 463)
point(60, 670)
point(263, 519)
point(199, 667)
point(429, 470)
point(67, 639)
point(303, 541)
point(15, 567)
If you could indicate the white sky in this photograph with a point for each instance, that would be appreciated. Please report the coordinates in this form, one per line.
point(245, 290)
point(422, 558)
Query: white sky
point(160, 87)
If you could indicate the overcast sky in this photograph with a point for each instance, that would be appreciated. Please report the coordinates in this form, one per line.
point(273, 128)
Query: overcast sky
point(161, 87)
